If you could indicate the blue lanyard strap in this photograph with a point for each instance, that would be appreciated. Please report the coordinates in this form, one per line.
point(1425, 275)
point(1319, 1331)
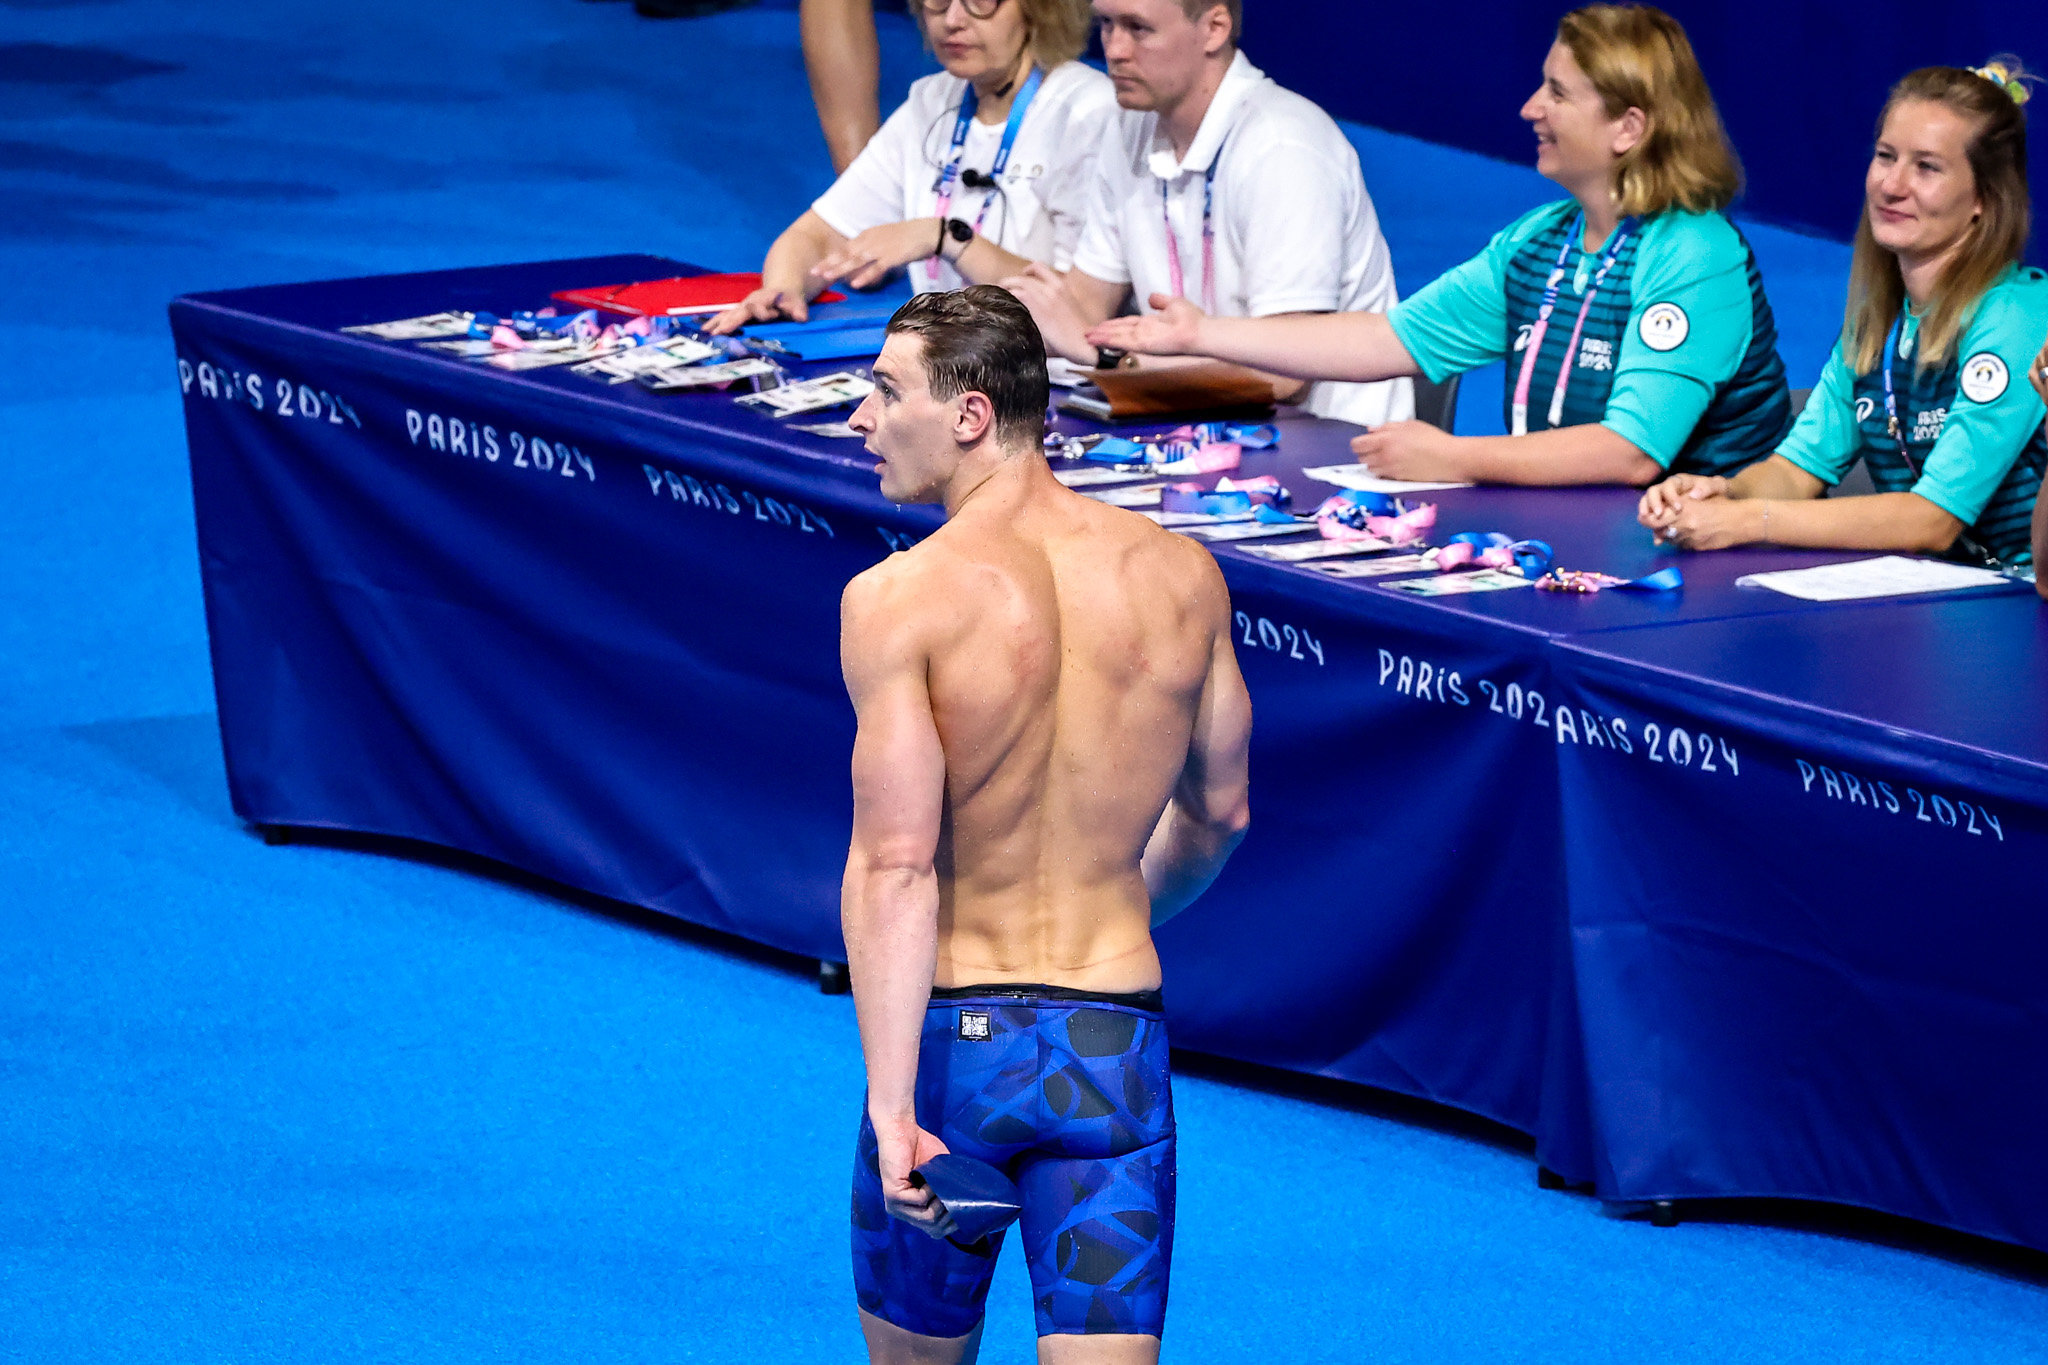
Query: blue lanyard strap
point(1891, 399)
point(969, 103)
point(1968, 542)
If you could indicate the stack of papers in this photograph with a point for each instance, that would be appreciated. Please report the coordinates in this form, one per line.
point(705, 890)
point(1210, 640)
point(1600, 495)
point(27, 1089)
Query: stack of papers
point(1319, 549)
point(812, 395)
point(629, 365)
point(416, 329)
point(1889, 576)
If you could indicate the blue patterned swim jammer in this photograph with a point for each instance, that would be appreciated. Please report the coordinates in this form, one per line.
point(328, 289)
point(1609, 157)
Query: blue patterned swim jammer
point(1068, 1093)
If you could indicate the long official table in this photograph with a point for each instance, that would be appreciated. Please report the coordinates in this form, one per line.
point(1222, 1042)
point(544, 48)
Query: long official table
point(1713, 892)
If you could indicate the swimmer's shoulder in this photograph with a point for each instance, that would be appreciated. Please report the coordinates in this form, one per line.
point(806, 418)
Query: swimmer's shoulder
point(885, 617)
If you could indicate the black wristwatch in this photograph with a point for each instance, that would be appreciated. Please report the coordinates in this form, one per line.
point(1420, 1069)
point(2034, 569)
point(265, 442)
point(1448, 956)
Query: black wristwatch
point(960, 231)
point(1110, 358)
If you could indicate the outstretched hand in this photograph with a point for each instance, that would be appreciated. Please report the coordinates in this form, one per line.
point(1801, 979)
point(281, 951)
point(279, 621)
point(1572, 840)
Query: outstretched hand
point(1412, 451)
point(1175, 328)
point(2038, 374)
point(900, 1149)
point(763, 305)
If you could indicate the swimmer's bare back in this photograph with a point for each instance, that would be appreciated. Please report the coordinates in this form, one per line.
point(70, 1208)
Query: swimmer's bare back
point(1075, 662)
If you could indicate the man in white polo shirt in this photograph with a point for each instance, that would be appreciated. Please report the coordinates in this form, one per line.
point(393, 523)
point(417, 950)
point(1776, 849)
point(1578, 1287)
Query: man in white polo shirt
point(1216, 185)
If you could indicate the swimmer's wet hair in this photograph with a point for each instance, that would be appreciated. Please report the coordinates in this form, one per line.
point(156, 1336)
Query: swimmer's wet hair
point(982, 340)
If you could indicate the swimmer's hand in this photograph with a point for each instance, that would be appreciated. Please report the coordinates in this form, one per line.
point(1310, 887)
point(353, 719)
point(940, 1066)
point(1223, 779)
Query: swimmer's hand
point(903, 1147)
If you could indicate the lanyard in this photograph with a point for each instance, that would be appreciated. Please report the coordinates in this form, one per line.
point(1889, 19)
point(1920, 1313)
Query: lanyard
point(1520, 412)
point(1968, 542)
point(1176, 277)
point(1891, 400)
point(969, 102)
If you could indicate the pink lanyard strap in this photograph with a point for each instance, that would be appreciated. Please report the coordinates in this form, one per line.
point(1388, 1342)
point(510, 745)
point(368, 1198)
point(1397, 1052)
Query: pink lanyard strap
point(1519, 412)
point(1175, 276)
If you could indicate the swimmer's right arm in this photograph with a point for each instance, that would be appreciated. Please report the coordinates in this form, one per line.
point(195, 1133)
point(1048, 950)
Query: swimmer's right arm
point(787, 287)
point(889, 901)
point(1210, 809)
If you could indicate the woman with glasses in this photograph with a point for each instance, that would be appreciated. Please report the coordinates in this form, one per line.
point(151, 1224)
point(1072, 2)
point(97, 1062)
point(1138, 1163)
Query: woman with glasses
point(982, 171)
point(1925, 384)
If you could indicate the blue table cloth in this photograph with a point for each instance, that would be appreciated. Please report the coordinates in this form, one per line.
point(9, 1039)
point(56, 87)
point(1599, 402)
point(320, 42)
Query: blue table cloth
point(592, 633)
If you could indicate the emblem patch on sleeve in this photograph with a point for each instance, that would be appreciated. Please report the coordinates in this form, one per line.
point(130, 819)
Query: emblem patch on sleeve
point(974, 1027)
point(1664, 326)
point(1984, 377)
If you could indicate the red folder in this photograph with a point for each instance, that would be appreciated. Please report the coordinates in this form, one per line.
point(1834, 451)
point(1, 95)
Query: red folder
point(669, 298)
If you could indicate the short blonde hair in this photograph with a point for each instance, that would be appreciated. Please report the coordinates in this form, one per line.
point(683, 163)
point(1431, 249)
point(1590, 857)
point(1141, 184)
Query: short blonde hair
point(1055, 31)
point(1638, 57)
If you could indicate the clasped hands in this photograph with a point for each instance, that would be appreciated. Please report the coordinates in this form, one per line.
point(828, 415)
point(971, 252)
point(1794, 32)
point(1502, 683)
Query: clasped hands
point(1694, 512)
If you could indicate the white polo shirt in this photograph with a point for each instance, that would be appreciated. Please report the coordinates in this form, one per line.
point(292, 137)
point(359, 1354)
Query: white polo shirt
point(1295, 230)
point(1039, 210)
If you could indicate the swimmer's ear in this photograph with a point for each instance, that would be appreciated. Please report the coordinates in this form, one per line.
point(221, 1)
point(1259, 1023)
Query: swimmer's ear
point(975, 418)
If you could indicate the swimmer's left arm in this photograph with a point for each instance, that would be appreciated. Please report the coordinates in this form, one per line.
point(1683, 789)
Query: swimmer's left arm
point(889, 901)
point(1210, 810)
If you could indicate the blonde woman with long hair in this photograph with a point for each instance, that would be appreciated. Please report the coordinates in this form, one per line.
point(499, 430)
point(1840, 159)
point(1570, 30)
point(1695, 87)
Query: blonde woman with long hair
point(1925, 384)
point(1631, 314)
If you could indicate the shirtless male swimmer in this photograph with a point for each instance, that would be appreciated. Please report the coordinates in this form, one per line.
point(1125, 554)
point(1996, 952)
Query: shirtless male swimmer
point(1051, 759)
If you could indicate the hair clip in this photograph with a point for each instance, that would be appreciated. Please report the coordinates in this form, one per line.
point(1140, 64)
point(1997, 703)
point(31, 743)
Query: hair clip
point(2007, 75)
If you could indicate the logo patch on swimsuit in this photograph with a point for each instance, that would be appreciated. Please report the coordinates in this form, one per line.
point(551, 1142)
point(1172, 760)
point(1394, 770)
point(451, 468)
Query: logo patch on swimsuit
point(1664, 326)
point(1984, 377)
point(974, 1027)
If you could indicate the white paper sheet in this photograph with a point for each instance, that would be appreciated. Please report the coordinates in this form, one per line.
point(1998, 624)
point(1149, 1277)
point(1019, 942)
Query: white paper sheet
point(1887, 576)
point(1355, 476)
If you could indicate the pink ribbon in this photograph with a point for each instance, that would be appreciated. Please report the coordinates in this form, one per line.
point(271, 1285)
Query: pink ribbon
point(1208, 459)
point(1405, 529)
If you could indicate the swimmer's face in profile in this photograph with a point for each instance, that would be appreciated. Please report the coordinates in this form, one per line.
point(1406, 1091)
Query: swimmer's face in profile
point(915, 434)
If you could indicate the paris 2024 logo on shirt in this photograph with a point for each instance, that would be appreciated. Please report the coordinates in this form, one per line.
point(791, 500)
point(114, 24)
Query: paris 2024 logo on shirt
point(1984, 377)
point(1664, 326)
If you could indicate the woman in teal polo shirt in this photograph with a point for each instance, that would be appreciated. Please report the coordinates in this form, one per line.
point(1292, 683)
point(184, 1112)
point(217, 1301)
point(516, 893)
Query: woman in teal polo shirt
point(1632, 314)
point(1925, 385)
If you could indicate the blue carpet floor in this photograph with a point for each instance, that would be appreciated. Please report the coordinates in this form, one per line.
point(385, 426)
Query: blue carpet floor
point(325, 1104)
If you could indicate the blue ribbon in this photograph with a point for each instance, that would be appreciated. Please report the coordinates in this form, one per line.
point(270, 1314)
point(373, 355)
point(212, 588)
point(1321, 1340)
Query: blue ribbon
point(1664, 580)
